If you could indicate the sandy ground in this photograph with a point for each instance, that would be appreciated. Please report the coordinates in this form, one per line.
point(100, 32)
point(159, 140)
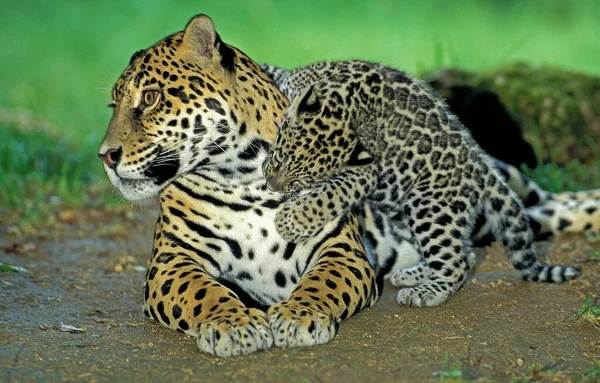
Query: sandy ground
point(86, 269)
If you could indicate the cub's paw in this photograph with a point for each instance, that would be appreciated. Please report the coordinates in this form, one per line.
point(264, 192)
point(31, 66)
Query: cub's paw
point(292, 225)
point(411, 276)
point(239, 334)
point(300, 326)
point(426, 294)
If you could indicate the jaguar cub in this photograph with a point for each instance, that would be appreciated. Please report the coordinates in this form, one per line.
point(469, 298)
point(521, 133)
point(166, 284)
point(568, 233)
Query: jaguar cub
point(361, 131)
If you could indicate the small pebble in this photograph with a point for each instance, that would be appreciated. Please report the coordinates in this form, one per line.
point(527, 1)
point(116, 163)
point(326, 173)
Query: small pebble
point(118, 268)
point(520, 362)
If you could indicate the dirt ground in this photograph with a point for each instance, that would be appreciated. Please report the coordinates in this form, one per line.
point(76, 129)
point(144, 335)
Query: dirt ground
point(86, 270)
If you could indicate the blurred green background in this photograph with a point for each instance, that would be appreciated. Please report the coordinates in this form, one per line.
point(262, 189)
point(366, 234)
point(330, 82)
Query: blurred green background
point(60, 58)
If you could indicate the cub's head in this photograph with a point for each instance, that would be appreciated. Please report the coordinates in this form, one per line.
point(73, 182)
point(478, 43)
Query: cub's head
point(313, 142)
point(172, 110)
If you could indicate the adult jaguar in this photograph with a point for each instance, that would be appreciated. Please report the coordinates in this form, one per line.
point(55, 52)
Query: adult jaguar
point(193, 121)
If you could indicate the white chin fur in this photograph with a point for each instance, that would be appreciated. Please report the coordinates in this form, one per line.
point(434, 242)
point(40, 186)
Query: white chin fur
point(134, 189)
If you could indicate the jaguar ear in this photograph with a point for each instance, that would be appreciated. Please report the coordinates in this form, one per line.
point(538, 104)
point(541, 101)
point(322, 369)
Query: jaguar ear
point(309, 102)
point(136, 56)
point(200, 37)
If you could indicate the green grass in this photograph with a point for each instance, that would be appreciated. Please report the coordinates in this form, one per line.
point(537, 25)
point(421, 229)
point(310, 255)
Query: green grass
point(573, 176)
point(40, 169)
point(593, 374)
point(590, 313)
point(59, 59)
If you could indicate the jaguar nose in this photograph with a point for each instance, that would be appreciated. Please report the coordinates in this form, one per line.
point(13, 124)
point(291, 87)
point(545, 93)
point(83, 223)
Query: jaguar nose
point(111, 157)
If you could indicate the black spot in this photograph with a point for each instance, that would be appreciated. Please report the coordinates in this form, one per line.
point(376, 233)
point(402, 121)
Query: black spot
point(214, 104)
point(591, 210)
point(244, 275)
point(532, 199)
point(179, 93)
point(184, 325)
point(331, 284)
point(200, 294)
point(436, 265)
point(185, 123)
point(166, 287)
point(289, 250)
point(443, 220)
point(548, 212)
point(177, 311)
point(243, 129)
point(563, 223)
point(235, 248)
point(152, 273)
point(280, 279)
point(496, 204)
point(346, 298)
point(183, 287)
point(197, 310)
point(161, 311)
point(433, 250)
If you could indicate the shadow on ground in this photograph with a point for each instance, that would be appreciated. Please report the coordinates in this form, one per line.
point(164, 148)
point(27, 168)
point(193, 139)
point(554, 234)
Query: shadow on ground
point(86, 270)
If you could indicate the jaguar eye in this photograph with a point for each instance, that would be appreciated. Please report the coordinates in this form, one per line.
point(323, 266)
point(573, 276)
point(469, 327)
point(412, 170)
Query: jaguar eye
point(150, 97)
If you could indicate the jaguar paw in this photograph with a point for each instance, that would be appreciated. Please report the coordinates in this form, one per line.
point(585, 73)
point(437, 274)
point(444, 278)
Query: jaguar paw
point(410, 276)
point(233, 335)
point(423, 295)
point(300, 326)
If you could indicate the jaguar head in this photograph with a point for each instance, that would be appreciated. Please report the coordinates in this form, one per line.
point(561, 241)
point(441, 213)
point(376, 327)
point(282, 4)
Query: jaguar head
point(170, 111)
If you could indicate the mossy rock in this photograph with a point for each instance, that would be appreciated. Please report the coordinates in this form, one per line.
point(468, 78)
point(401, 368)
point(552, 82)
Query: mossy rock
point(558, 110)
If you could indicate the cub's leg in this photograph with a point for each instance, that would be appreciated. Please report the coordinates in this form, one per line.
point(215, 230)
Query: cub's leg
point(181, 295)
point(340, 284)
point(441, 229)
point(305, 216)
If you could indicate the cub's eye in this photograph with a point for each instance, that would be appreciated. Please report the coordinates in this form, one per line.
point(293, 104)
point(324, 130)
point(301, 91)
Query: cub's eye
point(150, 97)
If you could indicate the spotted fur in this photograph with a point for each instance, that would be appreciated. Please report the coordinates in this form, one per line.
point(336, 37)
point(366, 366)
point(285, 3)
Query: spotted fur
point(359, 130)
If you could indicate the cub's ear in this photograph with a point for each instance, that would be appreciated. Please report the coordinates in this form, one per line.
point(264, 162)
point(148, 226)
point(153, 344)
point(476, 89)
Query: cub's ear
point(309, 103)
point(200, 37)
point(360, 156)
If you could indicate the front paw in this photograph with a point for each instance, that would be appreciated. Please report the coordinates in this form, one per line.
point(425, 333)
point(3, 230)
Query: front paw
point(238, 334)
point(411, 276)
point(292, 225)
point(426, 294)
point(300, 326)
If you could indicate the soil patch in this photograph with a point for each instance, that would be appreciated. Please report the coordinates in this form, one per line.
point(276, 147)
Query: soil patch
point(87, 268)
